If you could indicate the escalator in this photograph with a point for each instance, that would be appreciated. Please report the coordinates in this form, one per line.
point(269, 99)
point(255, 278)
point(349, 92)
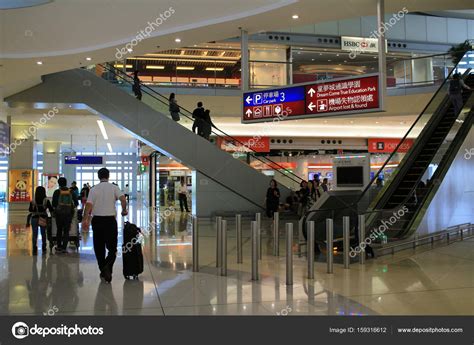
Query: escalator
point(435, 136)
point(227, 183)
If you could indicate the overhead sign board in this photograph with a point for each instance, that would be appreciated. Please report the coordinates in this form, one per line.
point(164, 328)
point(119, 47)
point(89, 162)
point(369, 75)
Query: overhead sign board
point(83, 160)
point(340, 96)
point(360, 44)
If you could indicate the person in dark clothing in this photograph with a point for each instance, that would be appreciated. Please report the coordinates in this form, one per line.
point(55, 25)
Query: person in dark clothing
point(174, 107)
point(198, 115)
point(272, 200)
point(84, 194)
point(39, 218)
point(325, 185)
point(304, 195)
point(64, 204)
point(205, 129)
point(456, 86)
point(137, 88)
point(74, 189)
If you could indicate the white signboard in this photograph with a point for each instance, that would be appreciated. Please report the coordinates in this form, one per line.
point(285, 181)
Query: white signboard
point(360, 44)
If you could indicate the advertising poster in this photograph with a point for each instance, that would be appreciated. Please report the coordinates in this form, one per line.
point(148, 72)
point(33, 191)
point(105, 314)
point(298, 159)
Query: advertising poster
point(51, 184)
point(20, 188)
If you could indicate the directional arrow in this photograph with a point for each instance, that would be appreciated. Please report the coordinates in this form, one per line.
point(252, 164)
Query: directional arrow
point(311, 106)
point(248, 99)
point(248, 112)
point(311, 92)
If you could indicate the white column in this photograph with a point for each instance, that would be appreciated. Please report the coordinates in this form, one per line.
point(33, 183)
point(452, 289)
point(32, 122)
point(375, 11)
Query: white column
point(244, 68)
point(382, 52)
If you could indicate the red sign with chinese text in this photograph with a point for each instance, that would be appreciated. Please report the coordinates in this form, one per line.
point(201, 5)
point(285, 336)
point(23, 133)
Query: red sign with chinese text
point(348, 95)
point(388, 145)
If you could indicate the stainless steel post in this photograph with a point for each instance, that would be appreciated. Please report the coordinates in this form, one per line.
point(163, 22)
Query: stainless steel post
point(447, 236)
point(238, 226)
point(329, 244)
point(254, 233)
point(276, 234)
point(224, 248)
point(289, 254)
point(462, 233)
point(361, 238)
point(310, 255)
point(218, 241)
point(346, 240)
point(415, 240)
point(195, 245)
point(258, 219)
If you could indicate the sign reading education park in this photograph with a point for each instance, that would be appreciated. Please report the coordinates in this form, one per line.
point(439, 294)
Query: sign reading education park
point(329, 97)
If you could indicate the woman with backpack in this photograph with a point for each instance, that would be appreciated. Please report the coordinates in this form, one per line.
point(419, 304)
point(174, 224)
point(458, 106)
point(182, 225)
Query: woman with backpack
point(174, 107)
point(39, 217)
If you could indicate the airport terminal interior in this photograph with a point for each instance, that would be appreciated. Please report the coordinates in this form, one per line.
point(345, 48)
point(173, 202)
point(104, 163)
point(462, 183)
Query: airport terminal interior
point(279, 157)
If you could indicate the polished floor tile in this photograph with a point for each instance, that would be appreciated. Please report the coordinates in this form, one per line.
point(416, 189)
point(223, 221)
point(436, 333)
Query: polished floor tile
point(425, 281)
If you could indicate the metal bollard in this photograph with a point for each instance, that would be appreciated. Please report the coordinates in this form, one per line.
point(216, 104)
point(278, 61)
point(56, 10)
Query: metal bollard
point(415, 240)
point(258, 219)
point(289, 254)
point(346, 240)
point(238, 227)
point(224, 248)
point(254, 234)
point(329, 244)
point(462, 234)
point(195, 245)
point(362, 238)
point(310, 250)
point(218, 240)
point(276, 234)
point(447, 236)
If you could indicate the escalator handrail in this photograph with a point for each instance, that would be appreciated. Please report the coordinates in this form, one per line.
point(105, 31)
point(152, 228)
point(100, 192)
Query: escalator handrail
point(406, 135)
point(165, 102)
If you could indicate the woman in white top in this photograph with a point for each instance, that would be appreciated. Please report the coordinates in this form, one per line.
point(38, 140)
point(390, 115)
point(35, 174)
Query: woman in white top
point(183, 196)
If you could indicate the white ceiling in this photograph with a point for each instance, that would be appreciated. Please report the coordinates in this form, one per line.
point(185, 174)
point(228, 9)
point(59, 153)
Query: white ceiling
point(63, 33)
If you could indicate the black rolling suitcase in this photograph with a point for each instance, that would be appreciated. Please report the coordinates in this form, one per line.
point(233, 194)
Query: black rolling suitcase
point(131, 251)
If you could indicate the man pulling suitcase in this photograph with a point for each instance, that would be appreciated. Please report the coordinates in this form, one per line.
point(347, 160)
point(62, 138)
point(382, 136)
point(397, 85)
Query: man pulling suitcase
point(100, 206)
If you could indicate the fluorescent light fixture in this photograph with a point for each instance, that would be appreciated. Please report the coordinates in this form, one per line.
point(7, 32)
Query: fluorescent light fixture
point(121, 66)
point(295, 16)
point(39, 62)
point(186, 68)
point(110, 148)
point(100, 123)
point(177, 40)
point(214, 68)
point(154, 67)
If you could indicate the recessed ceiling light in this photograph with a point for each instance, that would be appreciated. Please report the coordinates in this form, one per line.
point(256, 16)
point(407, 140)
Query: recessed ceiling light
point(130, 50)
point(329, 60)
point(177, 40)
point(377, 122)
point(312, 59)
point(39, 62)
point(295, 16)
point(337, 54)
point(88, 58)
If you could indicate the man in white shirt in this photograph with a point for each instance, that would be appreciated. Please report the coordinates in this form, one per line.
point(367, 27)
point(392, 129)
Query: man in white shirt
point(100, 207)
point(183, 196)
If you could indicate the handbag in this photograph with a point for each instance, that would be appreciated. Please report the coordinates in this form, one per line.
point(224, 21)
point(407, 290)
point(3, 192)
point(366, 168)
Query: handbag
point(43, 222)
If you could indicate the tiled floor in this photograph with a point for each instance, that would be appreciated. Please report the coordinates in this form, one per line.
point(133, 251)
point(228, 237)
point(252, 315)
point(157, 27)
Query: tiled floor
point(422, 282)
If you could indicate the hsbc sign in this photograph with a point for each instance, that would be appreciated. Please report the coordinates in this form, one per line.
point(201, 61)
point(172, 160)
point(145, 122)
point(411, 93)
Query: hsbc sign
point(360, 44)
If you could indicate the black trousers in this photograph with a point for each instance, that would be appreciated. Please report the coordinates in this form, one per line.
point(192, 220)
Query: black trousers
point(63, 226)
point(183, 202)
point(105, 238)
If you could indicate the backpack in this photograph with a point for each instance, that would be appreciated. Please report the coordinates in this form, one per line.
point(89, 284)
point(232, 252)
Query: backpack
point(65, 204)
point(454, 86)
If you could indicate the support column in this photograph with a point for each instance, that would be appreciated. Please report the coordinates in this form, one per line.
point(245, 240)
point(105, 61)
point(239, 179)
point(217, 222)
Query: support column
point(51, 157)
point(23, 158)
point(244, 68)
point(382, 52)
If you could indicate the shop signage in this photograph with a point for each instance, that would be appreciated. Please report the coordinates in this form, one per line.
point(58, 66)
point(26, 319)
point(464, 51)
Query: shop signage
point(360, 44)
point(388, 145)
point(340, 96)
point(250, 144)
point(83, 160)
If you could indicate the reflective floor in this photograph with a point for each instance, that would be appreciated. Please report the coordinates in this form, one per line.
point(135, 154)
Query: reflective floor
point(421, 282)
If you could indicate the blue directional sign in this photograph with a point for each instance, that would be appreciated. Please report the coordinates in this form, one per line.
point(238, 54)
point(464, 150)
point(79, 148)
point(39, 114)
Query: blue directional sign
point(83, 160)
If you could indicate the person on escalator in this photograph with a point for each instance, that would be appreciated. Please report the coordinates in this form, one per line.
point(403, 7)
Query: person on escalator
point(205, 125)
point(456, 86)
point(137, 88)
point(174, 107)
point(198, 115)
